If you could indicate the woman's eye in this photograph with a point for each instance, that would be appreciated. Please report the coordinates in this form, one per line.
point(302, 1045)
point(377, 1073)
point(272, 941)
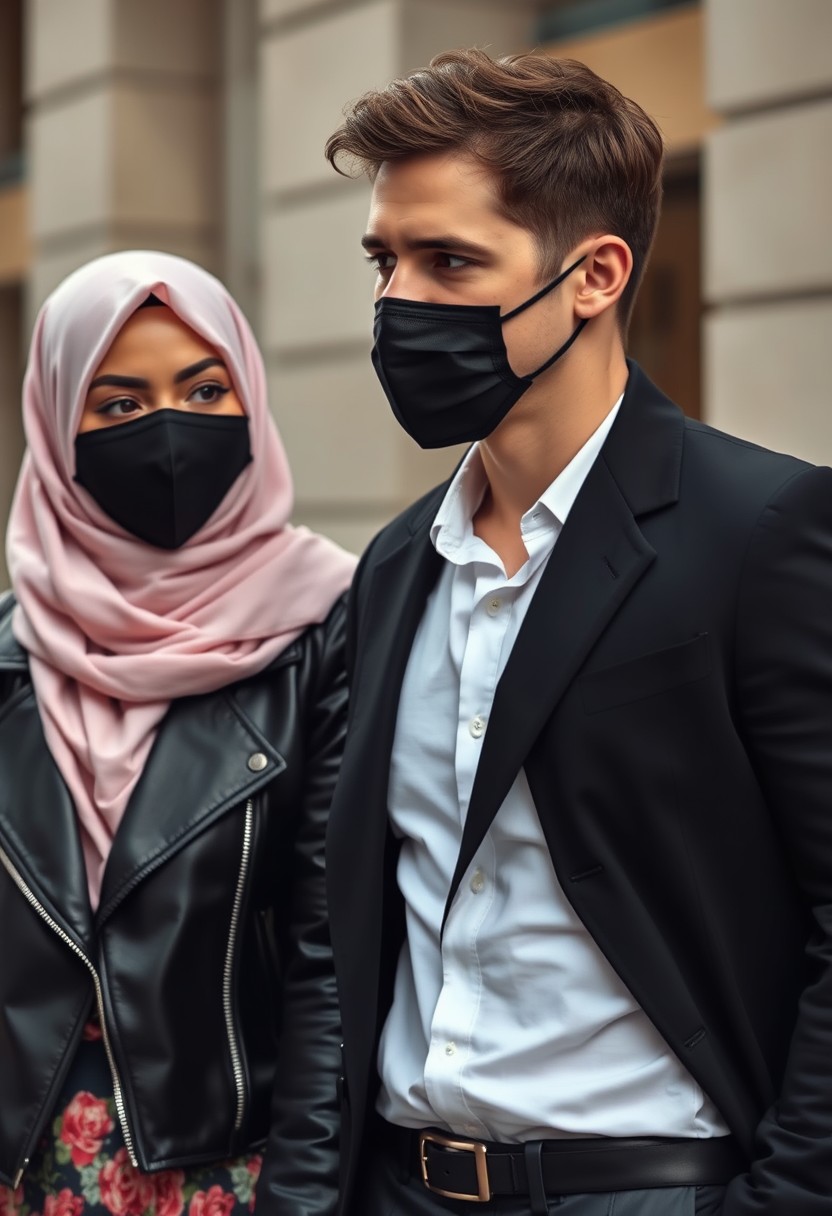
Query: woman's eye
point(121, 408)
point(208, 394)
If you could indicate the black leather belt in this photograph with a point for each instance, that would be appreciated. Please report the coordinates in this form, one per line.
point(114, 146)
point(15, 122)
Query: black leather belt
point(477, 1170)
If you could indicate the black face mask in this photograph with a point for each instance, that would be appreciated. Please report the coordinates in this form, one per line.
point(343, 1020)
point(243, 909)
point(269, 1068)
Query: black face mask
point(444, 367)
point(162, 477)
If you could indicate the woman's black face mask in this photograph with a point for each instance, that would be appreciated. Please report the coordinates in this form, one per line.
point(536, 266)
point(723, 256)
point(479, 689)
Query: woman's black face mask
point(444, 367)
point(163, 476)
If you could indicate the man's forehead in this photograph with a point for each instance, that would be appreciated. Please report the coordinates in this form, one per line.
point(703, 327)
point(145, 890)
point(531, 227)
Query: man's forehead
point(427, 175)
point(438, 199)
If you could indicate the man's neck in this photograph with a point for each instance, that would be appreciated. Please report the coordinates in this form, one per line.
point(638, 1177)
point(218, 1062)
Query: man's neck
point(541, 435)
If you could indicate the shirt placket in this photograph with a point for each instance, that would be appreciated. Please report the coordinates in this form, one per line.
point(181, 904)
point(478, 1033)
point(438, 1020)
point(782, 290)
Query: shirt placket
point(454, 1019)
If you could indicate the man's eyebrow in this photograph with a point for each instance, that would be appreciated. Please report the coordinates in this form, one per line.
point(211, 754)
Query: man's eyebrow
point(119, 382)
point(195, 368)
point(447, 243)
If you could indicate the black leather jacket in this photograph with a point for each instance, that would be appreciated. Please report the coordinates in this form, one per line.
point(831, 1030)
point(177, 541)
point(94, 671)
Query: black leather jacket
point(209, 957)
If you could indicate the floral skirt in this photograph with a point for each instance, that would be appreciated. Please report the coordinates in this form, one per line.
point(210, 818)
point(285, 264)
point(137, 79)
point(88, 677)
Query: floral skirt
point(81, 1167)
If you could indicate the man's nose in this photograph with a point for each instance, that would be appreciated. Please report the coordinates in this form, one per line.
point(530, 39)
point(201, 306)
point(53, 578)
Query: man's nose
point(407, 283)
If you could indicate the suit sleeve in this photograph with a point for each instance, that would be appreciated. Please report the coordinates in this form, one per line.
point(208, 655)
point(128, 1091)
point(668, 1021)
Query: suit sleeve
point(300, 1167)
point(784, 689)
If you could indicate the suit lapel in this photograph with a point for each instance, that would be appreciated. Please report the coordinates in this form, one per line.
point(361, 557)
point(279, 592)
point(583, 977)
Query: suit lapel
point(393, 603)
point(599, 557)
point(389, 609)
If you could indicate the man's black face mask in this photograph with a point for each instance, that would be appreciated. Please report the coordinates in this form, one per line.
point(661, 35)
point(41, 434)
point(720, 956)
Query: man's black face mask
point(162, 477)
point(444, 367)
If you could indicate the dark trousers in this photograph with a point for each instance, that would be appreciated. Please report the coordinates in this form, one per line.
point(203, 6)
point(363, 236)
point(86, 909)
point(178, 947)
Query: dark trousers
point(390, 1190)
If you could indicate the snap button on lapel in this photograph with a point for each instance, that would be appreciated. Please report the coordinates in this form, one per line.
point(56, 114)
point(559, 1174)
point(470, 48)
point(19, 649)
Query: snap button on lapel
point(257, 762)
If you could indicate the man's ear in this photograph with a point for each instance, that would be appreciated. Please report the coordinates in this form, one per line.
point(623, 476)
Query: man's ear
point(603, 276)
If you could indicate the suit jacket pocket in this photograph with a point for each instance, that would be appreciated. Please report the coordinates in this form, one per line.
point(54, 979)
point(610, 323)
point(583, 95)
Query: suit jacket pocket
point(646, 676)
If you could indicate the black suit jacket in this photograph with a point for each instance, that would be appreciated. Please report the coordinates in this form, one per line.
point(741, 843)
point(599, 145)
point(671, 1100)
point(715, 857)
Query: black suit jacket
point(670, 698)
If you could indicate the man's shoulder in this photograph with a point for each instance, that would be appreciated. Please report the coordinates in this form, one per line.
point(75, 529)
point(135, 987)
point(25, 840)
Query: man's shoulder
point(413, 520)
point(721, 462)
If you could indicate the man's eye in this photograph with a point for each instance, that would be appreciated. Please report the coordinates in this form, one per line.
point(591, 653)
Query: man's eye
point(207, 394)
point(381, 261)
point(449, 261)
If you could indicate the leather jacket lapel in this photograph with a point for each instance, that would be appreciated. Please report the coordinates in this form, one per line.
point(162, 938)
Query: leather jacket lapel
point(207, 757)
point(197, 769)
point(38, 826)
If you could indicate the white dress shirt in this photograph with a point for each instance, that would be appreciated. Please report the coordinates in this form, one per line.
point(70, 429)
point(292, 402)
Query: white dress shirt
point(515, 1027)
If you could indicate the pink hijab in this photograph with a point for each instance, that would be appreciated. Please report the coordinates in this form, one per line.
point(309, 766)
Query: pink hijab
point(116, 629)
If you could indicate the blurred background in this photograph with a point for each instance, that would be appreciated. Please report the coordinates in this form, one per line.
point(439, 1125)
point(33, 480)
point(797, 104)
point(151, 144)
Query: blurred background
point(197, 126)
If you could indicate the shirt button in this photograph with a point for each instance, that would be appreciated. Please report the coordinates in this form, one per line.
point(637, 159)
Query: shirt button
point(494, 605)
point(477, 882)
point(476, 726)
point(450, 1049)
point(470, 1128)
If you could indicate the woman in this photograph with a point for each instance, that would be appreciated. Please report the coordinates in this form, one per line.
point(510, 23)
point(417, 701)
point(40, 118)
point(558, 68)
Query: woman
point(172, 708)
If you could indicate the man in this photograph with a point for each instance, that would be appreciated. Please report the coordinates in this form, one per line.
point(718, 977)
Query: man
point(580, 856)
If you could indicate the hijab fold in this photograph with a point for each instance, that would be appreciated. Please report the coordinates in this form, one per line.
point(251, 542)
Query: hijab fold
point(115, 628)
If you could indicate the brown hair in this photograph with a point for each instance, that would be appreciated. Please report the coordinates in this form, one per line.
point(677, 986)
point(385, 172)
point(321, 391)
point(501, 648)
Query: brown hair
point(573, 157)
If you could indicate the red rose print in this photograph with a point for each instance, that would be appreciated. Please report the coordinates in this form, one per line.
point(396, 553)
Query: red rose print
point(124, 1191)
point(92, 1031)
point(168, 1188)
point(63, 1204)
point(86, 1122)
point(253, 1165)
point(213, 1202)
point(10, 1200)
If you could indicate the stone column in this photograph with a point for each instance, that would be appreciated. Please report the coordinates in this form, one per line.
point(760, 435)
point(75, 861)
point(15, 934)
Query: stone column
point(13, 255)
point(353, 466)
point(768, 257)
point(11, 427)
point(124, 142)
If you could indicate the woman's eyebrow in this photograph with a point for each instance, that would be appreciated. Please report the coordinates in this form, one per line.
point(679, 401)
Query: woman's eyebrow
point(196, 368)
point(120, 382)
point(114, 381)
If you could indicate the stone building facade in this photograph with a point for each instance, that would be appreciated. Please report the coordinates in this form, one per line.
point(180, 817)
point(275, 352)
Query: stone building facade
point(197, 127)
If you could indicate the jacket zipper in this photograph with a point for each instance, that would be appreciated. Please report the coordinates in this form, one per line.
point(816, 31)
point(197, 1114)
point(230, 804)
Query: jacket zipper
point(228, 969)
point(118, 1093)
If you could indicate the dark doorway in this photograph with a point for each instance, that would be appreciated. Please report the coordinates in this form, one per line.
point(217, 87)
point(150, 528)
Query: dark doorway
point(665, 329)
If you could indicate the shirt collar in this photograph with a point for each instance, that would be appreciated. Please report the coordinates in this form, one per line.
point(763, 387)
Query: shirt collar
point(559, 497)
point(452, 524)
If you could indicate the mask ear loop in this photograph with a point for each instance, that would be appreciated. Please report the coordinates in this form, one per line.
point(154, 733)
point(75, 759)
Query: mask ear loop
point(561, 351)
point(544, 291)
point(539, 296)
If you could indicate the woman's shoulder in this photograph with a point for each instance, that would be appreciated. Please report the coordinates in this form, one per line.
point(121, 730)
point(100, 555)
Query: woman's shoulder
point(14, 663)
point(316, 657)
point(12, 654)
point(321, 641)
point(310, 671)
